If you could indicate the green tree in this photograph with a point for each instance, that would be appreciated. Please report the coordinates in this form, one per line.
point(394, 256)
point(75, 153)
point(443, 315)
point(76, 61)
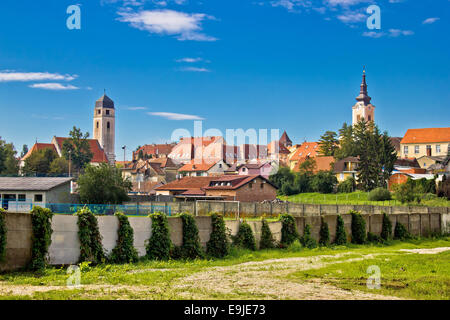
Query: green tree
point(368, 166)
point(307, 167)
point(103, 184)
point(323, 182)
point(24, 151)
point(59, 166)
point(347, 146)
point(388, 157)
point(9, 164)
point(77, 149)
point(38, 163)
point(328, 143)
point(283, 175)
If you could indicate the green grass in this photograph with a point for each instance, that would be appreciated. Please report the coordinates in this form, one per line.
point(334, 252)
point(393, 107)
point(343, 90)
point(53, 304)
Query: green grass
point(425, 276)
point(357, 198)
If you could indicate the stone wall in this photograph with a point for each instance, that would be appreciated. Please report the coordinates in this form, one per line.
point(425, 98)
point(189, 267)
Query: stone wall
point(65, 247)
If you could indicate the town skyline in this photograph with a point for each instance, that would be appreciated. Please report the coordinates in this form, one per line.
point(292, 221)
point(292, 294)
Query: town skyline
point(216, 75)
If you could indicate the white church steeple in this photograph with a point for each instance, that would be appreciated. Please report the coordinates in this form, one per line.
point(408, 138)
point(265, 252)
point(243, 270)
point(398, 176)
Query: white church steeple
point(105, 126)
point(363, 108)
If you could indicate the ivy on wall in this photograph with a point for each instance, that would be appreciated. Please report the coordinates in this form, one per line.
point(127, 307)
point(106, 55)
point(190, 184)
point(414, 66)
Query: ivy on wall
point(2, 235)
point(160, 245)
point(91, 248)
point(289, 231)
point(124, 251)
point(386, 230)
point(217, 245)
point(41, 219)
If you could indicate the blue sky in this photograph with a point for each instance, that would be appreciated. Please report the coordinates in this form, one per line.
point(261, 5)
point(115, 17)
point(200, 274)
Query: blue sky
point(292, 65)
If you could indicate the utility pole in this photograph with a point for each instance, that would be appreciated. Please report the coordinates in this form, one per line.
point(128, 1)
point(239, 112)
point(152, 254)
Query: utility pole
point(70, 162)
point(124, 153)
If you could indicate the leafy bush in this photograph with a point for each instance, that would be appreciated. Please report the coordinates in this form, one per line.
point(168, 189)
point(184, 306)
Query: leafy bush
point(373, 238)
point(124, 251)
point(341, 234)
point(400, 232)
point(191, 248)
point(91, 248)
point(404, 193)
point(323, 182)
point(159, 245)
point(358, 228)
point(41, 219)
point(386, 229)
point(306, 240)
point(245, 238)
point(324, 233)
point(267, 241)
point(379, 194)
point(2, 235)
point(289, 231)
point(217, 245)
point(347, 186)
point(295, 246)
point(444, 188)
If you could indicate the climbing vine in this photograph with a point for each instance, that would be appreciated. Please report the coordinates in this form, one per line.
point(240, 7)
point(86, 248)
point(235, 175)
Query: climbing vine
point(306, 240)
point(401, 233)
point(217, 246)
point(41, 220)
point(324, 233)
point(267, 241)
point(191, 248)
point(358, 228)
point(124, 251)
point(159, 245)
point(245, 238)
point(91, 248)
point(341, 234)
point(289, 231)
point(386, 230)
point(2, 235)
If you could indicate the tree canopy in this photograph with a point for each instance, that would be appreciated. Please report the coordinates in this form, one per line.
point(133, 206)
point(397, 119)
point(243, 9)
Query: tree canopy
point(77, 149)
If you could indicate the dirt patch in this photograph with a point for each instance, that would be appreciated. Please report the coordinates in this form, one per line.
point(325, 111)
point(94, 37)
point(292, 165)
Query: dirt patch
point(427, 251)
point(266, 279)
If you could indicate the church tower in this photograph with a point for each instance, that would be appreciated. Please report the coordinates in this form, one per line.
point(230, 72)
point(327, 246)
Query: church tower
point(363, 108)
point(105, 126)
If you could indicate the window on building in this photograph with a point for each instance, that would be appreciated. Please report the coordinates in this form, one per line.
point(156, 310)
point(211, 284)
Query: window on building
point(38, 198)
point(405, 150)
point(99, 111)
point(438, 148)
point(22, 197)
point(262, 185)
point(97, 124)
point(370, 118)
point(107, 112)
point(429, 150)
point(250, 185)
point(416, 149)
point(108, 125)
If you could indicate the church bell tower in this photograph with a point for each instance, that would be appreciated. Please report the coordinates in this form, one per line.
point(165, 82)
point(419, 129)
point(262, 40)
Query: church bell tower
point(105, 126)
point(363, 108)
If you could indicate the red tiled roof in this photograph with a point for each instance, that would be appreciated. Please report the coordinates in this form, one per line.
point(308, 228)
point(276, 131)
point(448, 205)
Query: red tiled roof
point(307, 149)
point(193, 166)
point(37, 147)
point(97, 151)
point(187, 183)
point(322, 164)
point(281, 148)
point(235, 181)
point(426, 135)
point(156, 149)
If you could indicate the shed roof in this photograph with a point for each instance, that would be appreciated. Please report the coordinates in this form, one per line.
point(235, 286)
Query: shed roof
point(31, 183)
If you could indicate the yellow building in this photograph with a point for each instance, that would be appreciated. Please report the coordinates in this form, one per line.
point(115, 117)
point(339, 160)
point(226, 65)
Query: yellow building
point(346, 168)
point(429, 142)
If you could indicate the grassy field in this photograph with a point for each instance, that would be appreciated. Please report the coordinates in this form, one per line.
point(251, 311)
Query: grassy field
point(357, 198)
point(294, 273)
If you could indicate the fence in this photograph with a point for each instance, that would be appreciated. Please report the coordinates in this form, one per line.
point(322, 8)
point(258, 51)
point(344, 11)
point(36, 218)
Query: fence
point(100, 209)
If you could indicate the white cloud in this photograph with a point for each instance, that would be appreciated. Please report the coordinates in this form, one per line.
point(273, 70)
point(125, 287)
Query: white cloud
point(352, 17)
point(189, 60)
point(9, 76)
point(398, 32)
point(53, 86)
point(175, 116)
point(373, 34)
point(345, 3)
point(430, 20)
point(184, 26)
point(195, 69)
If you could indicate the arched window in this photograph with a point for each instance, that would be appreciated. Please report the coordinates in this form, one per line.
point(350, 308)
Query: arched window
point(97, 124)
point(370, 118)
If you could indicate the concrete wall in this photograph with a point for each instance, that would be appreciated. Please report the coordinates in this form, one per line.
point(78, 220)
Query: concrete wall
point(65, 247)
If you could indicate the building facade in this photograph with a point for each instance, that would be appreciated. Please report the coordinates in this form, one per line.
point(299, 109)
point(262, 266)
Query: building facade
point(104, 127)
point(363, 109)
point(429, 142)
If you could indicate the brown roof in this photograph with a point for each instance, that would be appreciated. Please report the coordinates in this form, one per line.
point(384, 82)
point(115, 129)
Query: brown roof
point(407, 162)
point(233, 182)
point(37, 147)
point(164, 162)
point(156, 149)
point(193, 166)
point(285, 139)
point(187, 183)
point(97, 151)
point(322, 164)
point(307, 149)
point(281, 148)
point(427, 135)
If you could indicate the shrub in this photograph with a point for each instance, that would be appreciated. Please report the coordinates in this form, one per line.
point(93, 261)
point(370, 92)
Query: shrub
point(444, 188)
point(379, 194)
point(323, 182)
point(373, 238)
point(358, 228)
point(306, 240)
point(159, 245)
point(400, 232)
point(191, 248)
point(267, 241)
point(245, 238)
point(289, 231)
point(386, 229)
point(295, 246)
point(124, 251)
point(2, 235)
point(91, 248)
point(324, 233)
point(347, 186)
point(217, 245)
point(341, 235)
point(41, 219)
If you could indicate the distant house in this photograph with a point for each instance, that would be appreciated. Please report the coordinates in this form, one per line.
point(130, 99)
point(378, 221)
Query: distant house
point(201, 148)
point(425, 142)
point(144, 175)
point(426, 162)
point(402, 177)
point(300, 153)
point(322, 164)
point(264, 169)
point(151, 151)
point(19, 194)
point(203, 169)
point(232, 187)
point(408, 165)
point(346, 168)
